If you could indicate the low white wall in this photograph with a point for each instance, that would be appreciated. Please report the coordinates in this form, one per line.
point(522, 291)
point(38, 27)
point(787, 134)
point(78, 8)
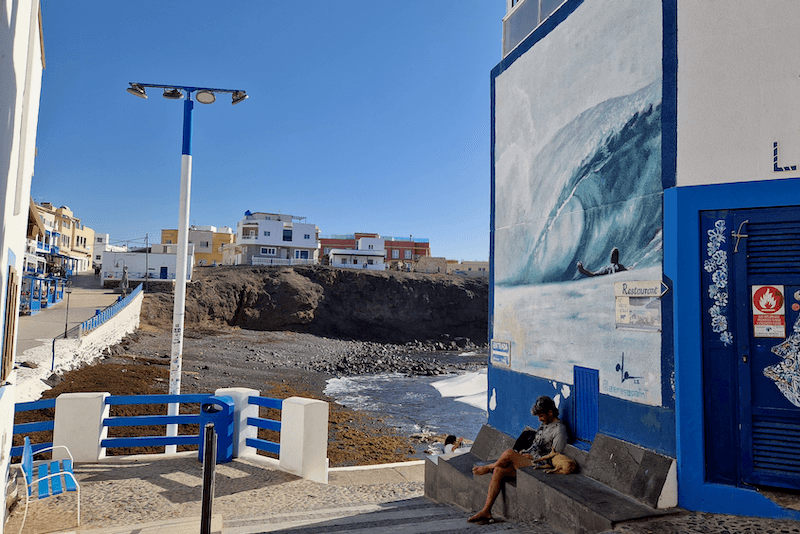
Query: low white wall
point(71, 353)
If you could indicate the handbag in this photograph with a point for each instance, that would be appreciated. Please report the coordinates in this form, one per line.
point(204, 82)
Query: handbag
point(525, 440)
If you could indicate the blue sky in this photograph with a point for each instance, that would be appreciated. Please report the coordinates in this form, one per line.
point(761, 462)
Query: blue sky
point(363, 116)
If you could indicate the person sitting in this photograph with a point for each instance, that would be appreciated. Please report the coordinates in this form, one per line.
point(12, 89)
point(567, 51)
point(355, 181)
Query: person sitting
point(451, 443)
point(551, 435)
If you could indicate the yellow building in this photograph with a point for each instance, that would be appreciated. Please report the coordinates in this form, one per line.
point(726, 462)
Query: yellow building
point(70, 242)
point(207, 240)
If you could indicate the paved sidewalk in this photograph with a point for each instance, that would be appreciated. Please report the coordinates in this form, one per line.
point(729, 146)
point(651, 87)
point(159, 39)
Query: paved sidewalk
point(87, 296)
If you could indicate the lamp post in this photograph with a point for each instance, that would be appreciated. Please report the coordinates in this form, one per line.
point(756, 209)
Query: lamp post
point(204, 95)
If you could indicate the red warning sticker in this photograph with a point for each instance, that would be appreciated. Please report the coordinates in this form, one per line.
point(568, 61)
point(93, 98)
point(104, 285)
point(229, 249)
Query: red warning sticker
point(769, 312)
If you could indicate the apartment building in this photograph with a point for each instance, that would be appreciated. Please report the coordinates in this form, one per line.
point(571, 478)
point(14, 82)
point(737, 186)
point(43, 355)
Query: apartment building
point(273, 239)
point(66, 245)
point(398, 251)
point(208, 242)
point(368, 254)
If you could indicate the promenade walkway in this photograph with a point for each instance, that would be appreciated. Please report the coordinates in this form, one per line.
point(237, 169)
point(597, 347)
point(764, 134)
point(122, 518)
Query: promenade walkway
point(87, 296)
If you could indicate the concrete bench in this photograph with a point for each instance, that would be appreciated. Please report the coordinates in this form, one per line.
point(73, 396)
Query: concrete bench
point(616, 482)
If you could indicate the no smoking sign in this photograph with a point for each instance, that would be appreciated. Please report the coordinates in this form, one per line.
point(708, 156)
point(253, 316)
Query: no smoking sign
point(769, 313)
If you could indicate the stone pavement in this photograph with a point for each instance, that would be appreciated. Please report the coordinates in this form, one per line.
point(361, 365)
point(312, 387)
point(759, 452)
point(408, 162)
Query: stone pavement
point(87, 296)
point(157, 494)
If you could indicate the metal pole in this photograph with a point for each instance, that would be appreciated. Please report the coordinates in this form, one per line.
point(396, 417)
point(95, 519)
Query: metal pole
point(209, 465)
point(179, 310)
point(146, 261)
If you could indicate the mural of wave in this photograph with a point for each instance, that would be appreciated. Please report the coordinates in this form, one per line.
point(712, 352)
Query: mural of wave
point(579, 212)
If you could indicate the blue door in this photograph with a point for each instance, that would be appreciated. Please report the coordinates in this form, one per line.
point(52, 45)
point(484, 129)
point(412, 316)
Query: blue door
point(163, 274)
point(765, 249)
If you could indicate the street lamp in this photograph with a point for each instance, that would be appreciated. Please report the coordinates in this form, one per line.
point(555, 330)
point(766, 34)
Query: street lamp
point(204, 95)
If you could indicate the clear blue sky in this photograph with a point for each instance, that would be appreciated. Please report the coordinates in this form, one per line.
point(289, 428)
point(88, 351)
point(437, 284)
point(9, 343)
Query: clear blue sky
point(363, 116)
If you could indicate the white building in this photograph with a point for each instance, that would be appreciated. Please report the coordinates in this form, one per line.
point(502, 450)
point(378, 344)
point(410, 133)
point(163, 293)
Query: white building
point(22, 53)
point(368, 254)
point(273, 239)
point(103, 244)
point(160, 264)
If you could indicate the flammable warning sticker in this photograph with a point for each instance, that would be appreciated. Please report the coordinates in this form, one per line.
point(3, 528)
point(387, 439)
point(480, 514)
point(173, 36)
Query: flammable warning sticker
point(769, 312)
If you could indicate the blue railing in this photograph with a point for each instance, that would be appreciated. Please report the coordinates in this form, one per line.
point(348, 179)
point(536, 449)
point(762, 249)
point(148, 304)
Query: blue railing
point(266, 424)
point(24, 429)
point(145, 420)
point(107, 313)
point(36, 426)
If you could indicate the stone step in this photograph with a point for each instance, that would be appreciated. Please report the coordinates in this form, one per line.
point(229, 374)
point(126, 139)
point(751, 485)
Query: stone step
point(413, 516)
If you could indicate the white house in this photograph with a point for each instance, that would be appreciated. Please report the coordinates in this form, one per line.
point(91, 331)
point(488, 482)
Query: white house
point(273, 239)
point(369, 254)
point(160, 263)
point(22, 53)
point(103, 244)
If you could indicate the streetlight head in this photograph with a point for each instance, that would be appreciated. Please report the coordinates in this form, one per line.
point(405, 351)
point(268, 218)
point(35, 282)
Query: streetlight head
point(205, 97)
point(173, 94)
point(137, 90)
point(239, 96)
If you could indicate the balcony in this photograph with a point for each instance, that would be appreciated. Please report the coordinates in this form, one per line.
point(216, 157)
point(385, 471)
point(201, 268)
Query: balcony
point(523, 19)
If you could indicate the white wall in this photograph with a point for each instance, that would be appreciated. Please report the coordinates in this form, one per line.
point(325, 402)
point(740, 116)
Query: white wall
point(138, 262)
point(20, 86)
point(738, 90)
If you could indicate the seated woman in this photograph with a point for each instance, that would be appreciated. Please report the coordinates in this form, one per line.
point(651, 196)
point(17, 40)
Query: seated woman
point(550, 436)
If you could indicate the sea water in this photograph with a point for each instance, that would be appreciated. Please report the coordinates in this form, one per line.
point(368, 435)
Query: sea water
point(409, 404)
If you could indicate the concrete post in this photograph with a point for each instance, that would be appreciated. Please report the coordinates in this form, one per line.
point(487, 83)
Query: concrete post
point(79, 426)
point(242, 410)
point(304, 438)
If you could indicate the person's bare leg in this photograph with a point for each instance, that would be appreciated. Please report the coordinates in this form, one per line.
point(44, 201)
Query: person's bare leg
point(505, 466)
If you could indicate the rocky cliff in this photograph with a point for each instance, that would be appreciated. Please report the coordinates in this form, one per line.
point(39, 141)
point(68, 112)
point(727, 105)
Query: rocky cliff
point(357, 304)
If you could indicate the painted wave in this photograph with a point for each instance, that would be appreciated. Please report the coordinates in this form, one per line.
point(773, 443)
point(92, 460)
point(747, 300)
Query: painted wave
point(611, 198)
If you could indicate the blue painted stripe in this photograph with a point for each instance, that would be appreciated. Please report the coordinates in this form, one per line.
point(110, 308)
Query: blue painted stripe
point(145, 420)
point(17, 451)
point(34, 405)
point(264, 445)
point(117, 400)
point(36, 426)
point(150, 441)
point(266, 402)
point(44, 487)
point(188, 104)
point(69, 481)
point(55, 467)
point(266, 424)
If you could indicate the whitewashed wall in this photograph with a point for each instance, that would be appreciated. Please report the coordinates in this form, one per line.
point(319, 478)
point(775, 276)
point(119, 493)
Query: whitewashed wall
point(738, 90)
point(20, 85)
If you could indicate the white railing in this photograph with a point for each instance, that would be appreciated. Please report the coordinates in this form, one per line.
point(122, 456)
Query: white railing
point(281, 261)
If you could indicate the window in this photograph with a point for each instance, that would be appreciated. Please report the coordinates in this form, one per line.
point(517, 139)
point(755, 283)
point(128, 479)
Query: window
point(369, 262)
point(301, 254)
point(168, 242)
point(395, 254)
point(287, 235)
point(355, 261)
point(326, 250)
point(306, 236)
point(267, 251)
point(344, 261)
point(204, 244)
point(370, 247)
point(407, 254)
point(98, 258)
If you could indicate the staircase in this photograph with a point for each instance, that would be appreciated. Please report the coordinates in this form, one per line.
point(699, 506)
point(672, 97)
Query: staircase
point(412, 516)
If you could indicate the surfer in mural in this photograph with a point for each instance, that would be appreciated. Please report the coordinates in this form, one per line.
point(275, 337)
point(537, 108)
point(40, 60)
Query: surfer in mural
point(614, 267)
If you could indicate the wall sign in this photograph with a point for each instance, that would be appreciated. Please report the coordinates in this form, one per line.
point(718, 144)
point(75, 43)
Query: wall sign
point(769, 311)
point(637, 305)
point(501, 352)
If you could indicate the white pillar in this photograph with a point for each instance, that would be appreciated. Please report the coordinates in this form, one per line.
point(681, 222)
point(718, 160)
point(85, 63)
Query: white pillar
point(304, 438)
point(79, 426)
point(242, 410)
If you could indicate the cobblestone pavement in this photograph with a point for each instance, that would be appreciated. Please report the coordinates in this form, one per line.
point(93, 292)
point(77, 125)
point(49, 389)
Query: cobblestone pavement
point(252, 498)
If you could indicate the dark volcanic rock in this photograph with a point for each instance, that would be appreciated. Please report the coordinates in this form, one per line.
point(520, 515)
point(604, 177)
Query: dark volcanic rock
point(347, 303)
